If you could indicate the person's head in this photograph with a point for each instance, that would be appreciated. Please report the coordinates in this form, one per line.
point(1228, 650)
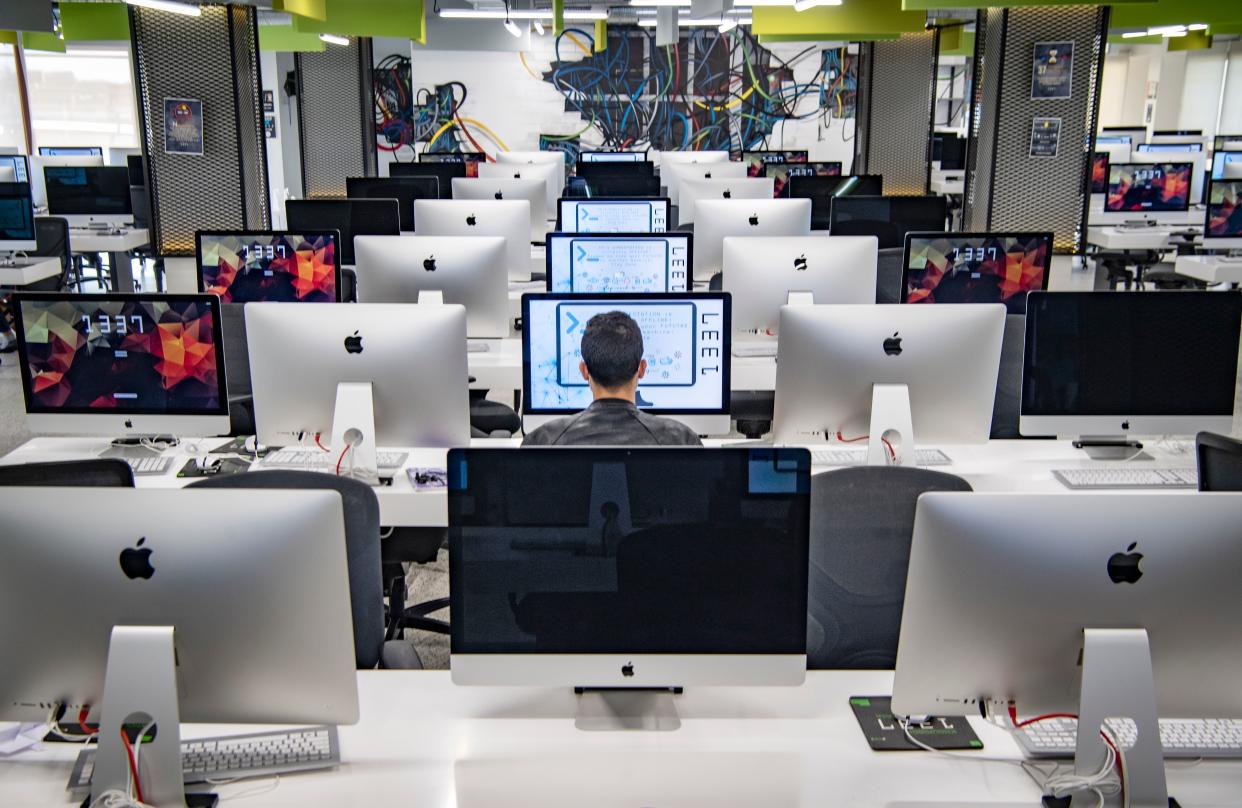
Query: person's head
point(612, 355)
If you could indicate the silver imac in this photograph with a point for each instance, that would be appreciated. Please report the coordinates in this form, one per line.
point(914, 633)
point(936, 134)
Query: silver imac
point(761, 272)
point(691, 191)
point(1198, 161)
point(456, 217)
point(612, 157)
point(1142, 192)
point(685, 342)
point(38, 186)
point(193, 594)
point(1102, 605)
point(619, 262)
point(666, 159)
point(613, 215)
point(673, 174)
point(469, 271)
point(1223, 227)
point(550, 174)
point(531, 191)
point(548, 158)
point(743, 217)
point(894, 374)
point(126, 366)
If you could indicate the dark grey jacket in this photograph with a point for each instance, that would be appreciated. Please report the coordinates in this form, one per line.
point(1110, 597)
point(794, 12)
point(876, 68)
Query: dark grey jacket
point(612, 422)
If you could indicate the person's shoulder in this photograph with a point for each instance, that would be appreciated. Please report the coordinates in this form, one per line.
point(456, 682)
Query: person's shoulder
point(547, 434)
point(669, 432)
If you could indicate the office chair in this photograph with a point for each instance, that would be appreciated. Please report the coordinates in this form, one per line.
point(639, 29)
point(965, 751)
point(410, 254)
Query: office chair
point(349, 286)
point(93, 473)
point(888, 272)
point(362, 549)
point(237, 369)
point(413, 545)
point(862, 522)
point(52, 240)
point(1007, 407)
point(1220, 462)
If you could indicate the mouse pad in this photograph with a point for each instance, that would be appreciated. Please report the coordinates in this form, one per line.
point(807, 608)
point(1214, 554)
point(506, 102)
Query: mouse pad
point(882, 731)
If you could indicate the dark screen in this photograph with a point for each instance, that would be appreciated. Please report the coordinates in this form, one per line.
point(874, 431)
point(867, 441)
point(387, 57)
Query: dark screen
point(445, 173)
point(618, 185)
point(16, 213)
point(403, 189)
point(352, 217)
point(1220, 463)
point(137, 170)
point(86, 190)
point(612, 169)
point(1119, 353)
point(888, 218)
point(821, 190)
point(951, 152)
point(661, 550)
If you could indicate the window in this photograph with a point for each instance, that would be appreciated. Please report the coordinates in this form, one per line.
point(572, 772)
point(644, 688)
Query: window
point(10, 105)
point(84, 97)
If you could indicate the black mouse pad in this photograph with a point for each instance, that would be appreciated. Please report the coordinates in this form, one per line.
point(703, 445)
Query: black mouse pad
point(876, 720)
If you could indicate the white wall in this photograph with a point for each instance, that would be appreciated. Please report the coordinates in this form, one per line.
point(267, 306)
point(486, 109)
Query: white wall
point(276, 185)
point(1188, 87)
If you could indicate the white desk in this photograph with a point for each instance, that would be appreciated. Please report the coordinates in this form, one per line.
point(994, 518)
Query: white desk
point(118, 248)
point(28, 271)
point(948, 183)
point(1195, 216)
point(1136, 238)
point(1210, 268)
point(423, 741)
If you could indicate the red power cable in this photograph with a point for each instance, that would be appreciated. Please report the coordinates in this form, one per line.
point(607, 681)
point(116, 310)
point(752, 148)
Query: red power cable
point(1013, 716)
point(317, 443)
point(82, 722)
point(133, 768)
point(341, 458)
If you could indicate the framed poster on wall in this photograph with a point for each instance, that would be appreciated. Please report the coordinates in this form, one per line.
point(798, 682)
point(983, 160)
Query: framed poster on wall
point(1052, 74)
point(1045, 137)
point(183, 126)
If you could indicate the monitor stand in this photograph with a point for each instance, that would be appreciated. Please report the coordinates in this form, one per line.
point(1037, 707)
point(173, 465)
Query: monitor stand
point(613, 709)
point(890, 440)
point(353, 424)
point(1111, 448)
point(137, 447)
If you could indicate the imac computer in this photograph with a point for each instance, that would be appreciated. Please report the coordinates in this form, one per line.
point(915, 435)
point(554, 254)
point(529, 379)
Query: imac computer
point(719, 218)
point(619, 262)
point(1099, 605)
point(694, 190)
point(122, 365)
point(509, 218)
point(685, 342)
point(17, 227)
point(403, 189)
point(617, 185)
point(781, 172)
point(1119, 153)
point(888, 218)
point(1223, 228)
point(1113, 140)
point(975, 268)
point(466, 270)
point(1108, 365)
point(590, 170)
point(1099, 173)
point(892, 374)
point(470, 160)
point(529, 158)
point(14, 168)
point(550, 175)
point(1170, 146)
point(613, 215)
point(822, 190)
point(349, 217)
point(763, 273)
point(674, 174)
point(756, 160)
point(670, 158)
point(1147, 191)
point(269, 266)
point(612, 157)
point(444, 173)
point(71, 151)
point(533, 192)
point(120, 155)
point(193, 594)
point(89, 195)
point(1136, 134)
point(949, 150)
point(616, 571)
point(1198, 171)
point(1226, 165)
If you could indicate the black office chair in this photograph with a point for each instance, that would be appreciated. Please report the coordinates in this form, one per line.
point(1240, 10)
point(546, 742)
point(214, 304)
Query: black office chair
point(491, 418)
point(1220, 462)
point(888, 275)
point(862, 522)
point(1007, 407)
point(413, 545)
point(349, 286)
point(93, 473)
point(237, 369)
point(362, 548)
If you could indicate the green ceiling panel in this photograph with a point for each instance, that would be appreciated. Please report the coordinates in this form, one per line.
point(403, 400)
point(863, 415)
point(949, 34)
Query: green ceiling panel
point(314, 9)
point(1195, 40)
point(86, 22)
point(847, 21)
point(400, 18)
point(37, 40)
point(287, 39)
point(939, 5)
point(1174, 12)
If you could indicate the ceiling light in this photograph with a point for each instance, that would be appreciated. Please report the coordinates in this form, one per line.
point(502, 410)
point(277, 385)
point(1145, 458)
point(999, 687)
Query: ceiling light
point(334, 39)
point(517, 14)
point(650, 22)
point(803, 5)
point(168, 5)
point(1198, 26)
point(512, 28)
point(1134, 34)
point(727, 24)
point(538, 27)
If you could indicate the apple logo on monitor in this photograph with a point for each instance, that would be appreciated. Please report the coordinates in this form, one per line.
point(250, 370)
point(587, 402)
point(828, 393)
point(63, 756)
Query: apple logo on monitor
point(727, 194)
point(471, 220)
point(136, 561)
point(353, 344)
point(429, 263)
point(892, 345)
point(1124, 567)
point(129, 423)
point(754, 220)
point(627, 669)
point(517, 176)
point(707, 175)
point(500, 195)
point(800, 263)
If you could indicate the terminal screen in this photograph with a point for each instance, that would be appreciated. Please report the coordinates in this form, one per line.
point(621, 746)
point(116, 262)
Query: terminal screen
point(614, 216)
point(608, 263)
point(268, 267)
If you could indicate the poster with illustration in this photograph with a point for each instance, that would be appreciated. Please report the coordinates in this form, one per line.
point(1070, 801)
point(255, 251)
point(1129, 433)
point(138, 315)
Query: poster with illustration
point(1053, 72)
point(183, 126)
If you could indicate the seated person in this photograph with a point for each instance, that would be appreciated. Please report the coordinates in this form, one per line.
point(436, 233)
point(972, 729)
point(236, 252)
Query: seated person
point(612, 364)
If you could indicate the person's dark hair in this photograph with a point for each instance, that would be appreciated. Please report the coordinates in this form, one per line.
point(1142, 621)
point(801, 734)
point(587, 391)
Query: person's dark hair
point(612, 347)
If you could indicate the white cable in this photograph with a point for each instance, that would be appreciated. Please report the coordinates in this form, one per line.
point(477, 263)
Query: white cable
point(116, 798)
point(905, 727)
point(138, 745)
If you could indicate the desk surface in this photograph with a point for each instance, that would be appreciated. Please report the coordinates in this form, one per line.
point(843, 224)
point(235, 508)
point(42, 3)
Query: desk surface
point(423, 741)
point(86, 241)
point(29, 271)
point(1135, 238)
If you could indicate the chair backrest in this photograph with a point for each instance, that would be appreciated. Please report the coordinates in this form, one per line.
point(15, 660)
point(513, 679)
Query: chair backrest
point(1007, 407)
point(862, 521)
point(362, 547)
point(349, 286)
point(98, 473)
point(1220, 462)
point(52, 241)
point(236, 351)
point(888, 275)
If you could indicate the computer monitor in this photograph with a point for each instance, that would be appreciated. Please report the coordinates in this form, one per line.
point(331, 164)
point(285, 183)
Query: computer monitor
point(893, 374)
point(119, 155)
point(612, 157)
point(17, 228)
point(534, 192)
point(1117, 364)
point(685, 342)
point(888, 218)
point(756, 160)
point(409, 361)
point(71, 151)
point(975, 268)
point(207, 582)
point(1113, 140)
point(613, 215)
point(781, 172)
point(466, 270)
point(950, 150)
point(276, 266)
point(470, 160)
point(672, 175)
point(556, 159)
point(1226, 165)
point(761, 272)
point(1223, 228)
point(1137, 134)
point(821, 190)
point(695, 190)
point(619, 185)
point(743, 217)
point(619, 262)
point(614, 169)
point(550, 175)
point(349, 217)
point(619, 568)
point(1197, 161)
point(123, 365)
point(137, 168)
point(403, 189)
point(1116, 154)
point(1099, 605)
point(669, 158)
point(457, 217)
point(1099, 172)
point(444, 173)
point(18, 165)
point(86, 195)
point(1146, 191)
point(1174, 146)
point(1227, 143)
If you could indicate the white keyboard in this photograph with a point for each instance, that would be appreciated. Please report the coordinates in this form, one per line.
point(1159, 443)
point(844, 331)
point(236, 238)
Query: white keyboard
point(1118, 477)
point(1181, 737)
point(858, 457)
point(260, 754)
point(147, 466)
point(756, 348)
point(316, 459)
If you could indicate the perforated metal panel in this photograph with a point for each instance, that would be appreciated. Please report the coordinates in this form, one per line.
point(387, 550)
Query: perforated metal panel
point(901, 77)
point(1010, 190)
point(336, 123)
point(213, 58)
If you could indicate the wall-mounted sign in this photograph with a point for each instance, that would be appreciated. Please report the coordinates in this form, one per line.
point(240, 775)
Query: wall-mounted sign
point(1052, 74)
point(269, 126)
point(183, 126)
point(1045, 137)
point(269, 103)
